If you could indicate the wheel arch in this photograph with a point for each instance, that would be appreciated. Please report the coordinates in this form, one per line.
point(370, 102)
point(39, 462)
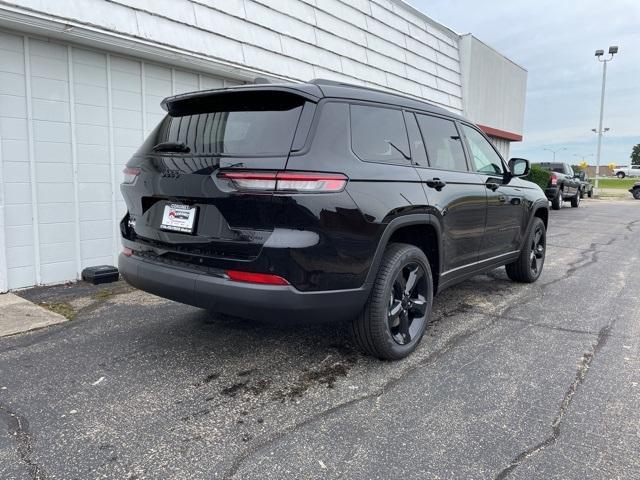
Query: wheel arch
point(421, 230)
point(542, 212)
point(539, 209)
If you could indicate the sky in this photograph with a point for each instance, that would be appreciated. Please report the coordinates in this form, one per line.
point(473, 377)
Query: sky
point(555, 41)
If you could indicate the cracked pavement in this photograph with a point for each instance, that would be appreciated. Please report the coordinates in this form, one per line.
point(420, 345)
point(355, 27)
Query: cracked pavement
point(511, 381)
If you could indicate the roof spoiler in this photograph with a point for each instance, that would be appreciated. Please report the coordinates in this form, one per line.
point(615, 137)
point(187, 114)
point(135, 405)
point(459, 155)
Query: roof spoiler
point(172, 104)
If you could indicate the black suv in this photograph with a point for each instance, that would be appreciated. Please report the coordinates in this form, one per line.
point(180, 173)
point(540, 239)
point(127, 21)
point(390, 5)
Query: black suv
point(324, 201)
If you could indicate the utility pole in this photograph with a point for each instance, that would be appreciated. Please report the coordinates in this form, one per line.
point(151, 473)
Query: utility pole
point(600, 56)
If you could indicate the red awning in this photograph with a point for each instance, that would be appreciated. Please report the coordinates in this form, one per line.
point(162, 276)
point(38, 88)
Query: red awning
point(495, 132)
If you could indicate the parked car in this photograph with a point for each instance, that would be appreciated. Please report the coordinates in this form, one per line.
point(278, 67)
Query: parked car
point(632, 171)
point(564, 185)
point(323, 201)
point(635, 191)
point(586, 187)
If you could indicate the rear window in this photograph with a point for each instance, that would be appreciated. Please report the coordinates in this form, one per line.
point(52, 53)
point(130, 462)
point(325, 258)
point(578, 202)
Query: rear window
point(238, 124)
point(379, 134)
point(553, 167)
point(444, 146)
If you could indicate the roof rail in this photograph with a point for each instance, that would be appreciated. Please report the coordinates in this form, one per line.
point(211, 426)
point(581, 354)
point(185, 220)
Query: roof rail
point(336, 83)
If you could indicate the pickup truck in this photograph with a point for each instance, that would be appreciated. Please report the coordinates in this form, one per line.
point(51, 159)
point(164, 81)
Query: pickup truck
point(632, 171)
point(586, 187)
point(564, 185)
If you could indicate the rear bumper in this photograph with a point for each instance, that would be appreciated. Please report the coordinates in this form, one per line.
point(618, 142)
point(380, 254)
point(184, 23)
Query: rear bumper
point(551, 192)
point(248, 300)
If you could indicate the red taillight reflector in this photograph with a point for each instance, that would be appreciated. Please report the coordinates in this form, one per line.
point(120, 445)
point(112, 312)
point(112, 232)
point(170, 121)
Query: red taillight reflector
point(554, 180)
point(302, 182)
point(127, 252)
point(130, 174)
point(310, 182)
point(251, 277)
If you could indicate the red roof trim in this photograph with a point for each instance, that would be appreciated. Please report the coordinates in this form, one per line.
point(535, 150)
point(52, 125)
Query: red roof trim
point(495, 132)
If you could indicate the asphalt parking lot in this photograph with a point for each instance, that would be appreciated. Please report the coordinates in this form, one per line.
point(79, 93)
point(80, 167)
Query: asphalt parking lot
point(511, 381)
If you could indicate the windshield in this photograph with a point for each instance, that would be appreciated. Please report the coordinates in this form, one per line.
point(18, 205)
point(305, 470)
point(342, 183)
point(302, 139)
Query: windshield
point(247, 126)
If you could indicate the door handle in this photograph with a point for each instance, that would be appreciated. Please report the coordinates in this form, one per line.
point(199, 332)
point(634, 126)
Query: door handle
point(502, 198)
point(436, 183)
point(492, 186)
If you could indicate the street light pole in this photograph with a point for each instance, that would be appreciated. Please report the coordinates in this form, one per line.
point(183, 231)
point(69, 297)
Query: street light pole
point(555, 151)
point(600, 55)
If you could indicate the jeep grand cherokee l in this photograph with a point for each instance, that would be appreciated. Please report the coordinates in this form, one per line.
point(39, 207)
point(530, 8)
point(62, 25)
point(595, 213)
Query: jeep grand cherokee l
point(324, 201)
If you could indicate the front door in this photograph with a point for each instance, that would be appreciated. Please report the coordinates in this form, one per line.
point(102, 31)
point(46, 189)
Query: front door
point(505, 202)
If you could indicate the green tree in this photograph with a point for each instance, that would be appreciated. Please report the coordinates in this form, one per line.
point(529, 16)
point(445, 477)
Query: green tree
point(635, 155)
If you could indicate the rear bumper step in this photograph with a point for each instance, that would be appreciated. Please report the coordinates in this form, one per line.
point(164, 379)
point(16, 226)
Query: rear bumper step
point(248, 300)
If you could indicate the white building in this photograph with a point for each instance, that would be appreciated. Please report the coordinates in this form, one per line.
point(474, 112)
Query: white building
point(81, 83)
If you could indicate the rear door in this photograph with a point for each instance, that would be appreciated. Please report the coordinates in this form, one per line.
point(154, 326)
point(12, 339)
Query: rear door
point(506, 210)
point(457, 194)
point(180, 166)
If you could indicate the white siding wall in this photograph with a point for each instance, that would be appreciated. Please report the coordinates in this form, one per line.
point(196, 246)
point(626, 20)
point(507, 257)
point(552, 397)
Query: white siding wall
point(494, 87)
point(381, 43)
point(502, 145)
point(70, 118)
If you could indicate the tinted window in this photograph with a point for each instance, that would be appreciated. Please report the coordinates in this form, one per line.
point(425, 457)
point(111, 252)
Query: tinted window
point(484, 158)
point(418, 152)
point(241, 126)
point(553, 167)
point(444, 146)
point(379, 134)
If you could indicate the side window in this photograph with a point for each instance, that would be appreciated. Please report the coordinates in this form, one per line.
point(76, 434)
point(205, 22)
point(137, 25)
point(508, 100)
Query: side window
point(444, 146)
point(485, 159)
point(418, 152)
point(379, 134)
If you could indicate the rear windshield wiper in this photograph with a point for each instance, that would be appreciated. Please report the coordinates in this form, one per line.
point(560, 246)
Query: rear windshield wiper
point(406, 157)
point(171, 147)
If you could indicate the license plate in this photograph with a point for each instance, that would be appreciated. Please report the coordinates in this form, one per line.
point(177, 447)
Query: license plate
point(178, 218)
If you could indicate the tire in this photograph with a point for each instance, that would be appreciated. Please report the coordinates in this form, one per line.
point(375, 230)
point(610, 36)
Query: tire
point(575, 200)
point(522, 270)
point(379, 331)
point(590, 193)
point(636, 193)
point(582, 193)
point(556, 203)
point(620, 175)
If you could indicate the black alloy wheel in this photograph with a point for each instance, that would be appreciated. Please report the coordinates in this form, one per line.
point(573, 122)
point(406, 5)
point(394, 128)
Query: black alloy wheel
point(537, 250)
point(528, 267)
point(408, 303)
point(396, 314)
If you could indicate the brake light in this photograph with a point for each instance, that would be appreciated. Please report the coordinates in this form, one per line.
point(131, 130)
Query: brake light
point(127, 252)
point(250, 277)
point(554, 180)
point(301, 182)
point(130, 175)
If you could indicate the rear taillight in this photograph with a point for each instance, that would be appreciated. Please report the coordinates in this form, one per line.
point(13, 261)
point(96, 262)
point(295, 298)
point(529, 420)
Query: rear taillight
point(297, 182)
point(127, 252)
point(130, 175)
point(554, 180)
point(251, 277)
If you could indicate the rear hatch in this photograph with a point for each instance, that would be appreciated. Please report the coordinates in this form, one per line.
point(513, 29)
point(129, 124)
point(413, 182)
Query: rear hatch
point(180, 187)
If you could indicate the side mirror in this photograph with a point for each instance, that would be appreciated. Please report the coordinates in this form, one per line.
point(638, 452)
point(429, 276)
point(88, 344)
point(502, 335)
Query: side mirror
point(519, 167)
